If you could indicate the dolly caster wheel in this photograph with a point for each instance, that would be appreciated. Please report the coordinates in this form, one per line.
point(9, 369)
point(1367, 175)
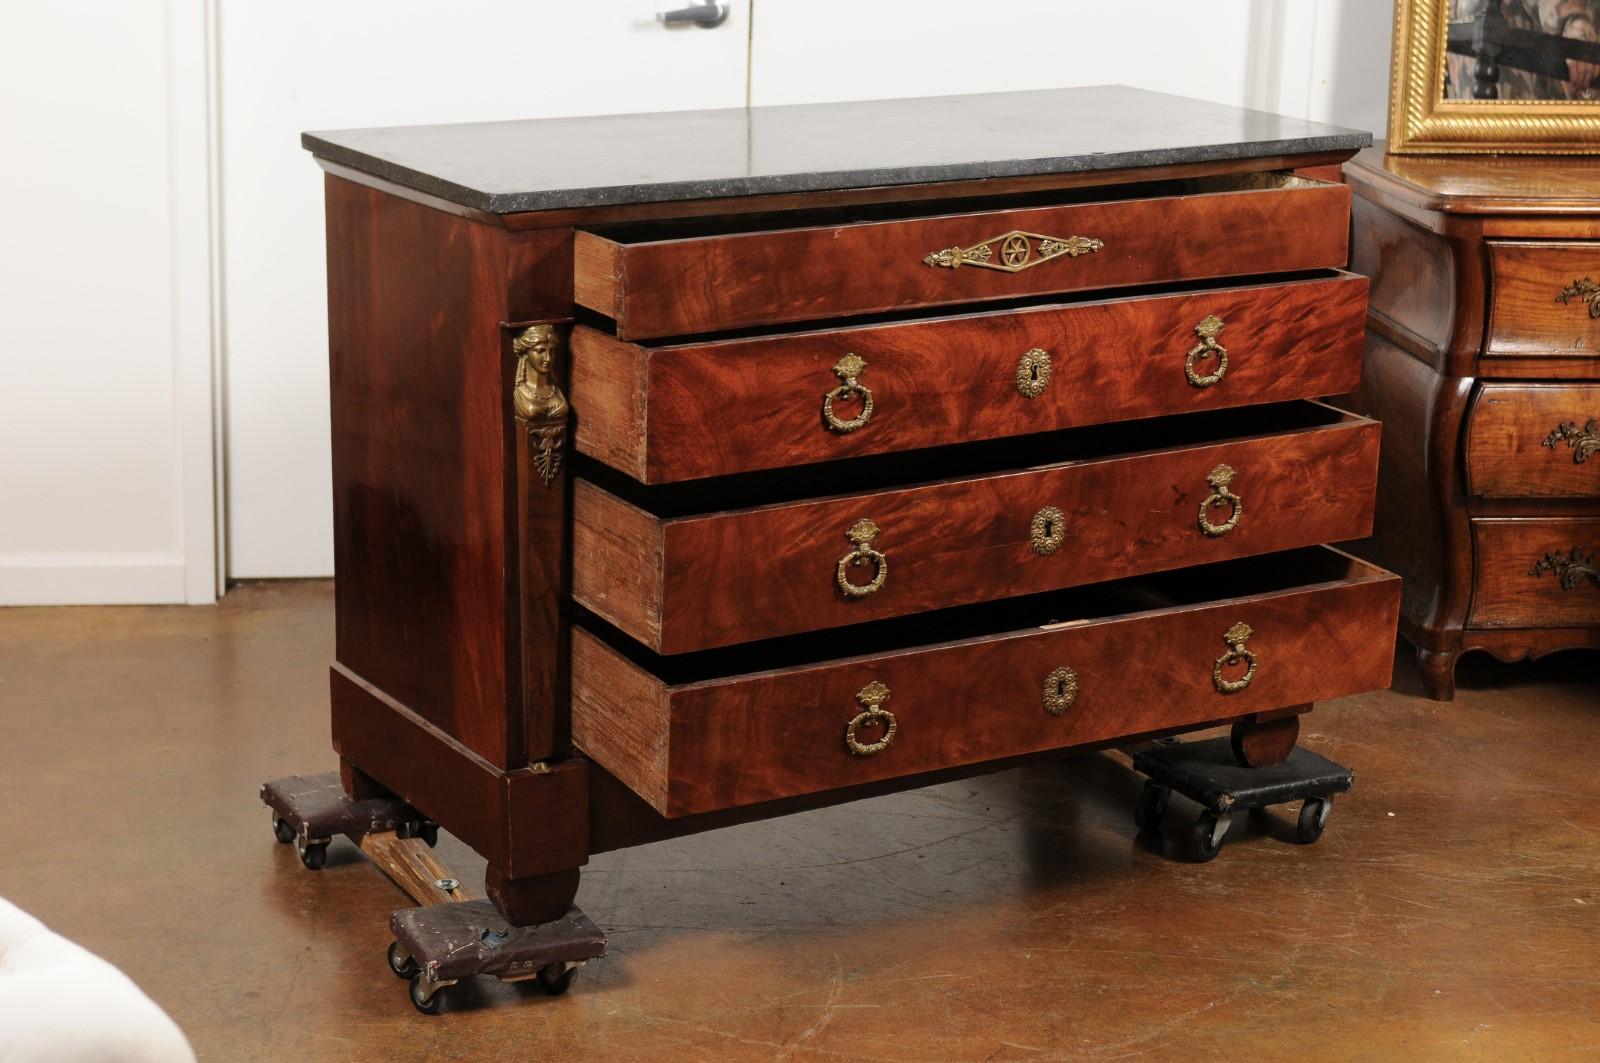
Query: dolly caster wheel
point(424, 1001)
point(1205, 837)
point(314, 855)
point(403, 968)
point(1313, 817)
point(1152, 806)
point(556, 978)
point(429, 834)
point(282, 831)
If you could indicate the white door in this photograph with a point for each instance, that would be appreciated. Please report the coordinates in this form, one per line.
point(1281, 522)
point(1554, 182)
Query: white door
point(1326, 60)
point(309, 64)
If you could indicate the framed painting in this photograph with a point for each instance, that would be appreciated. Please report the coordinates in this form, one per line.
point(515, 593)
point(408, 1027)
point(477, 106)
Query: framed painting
point(1495, 76)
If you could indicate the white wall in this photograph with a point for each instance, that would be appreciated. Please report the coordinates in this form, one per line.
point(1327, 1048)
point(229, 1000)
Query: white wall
point(106, 315)
point(105, 482)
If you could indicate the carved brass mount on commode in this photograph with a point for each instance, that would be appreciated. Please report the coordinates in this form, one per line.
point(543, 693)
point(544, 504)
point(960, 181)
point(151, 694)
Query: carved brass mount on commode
point(1584, 442)
point(538, 401)
point(1033, 372)
point(1585, 291)
point(1017, 251)
point(1569, 568)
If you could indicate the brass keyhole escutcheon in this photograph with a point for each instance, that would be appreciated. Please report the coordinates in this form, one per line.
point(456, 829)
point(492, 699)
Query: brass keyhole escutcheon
point(861, 536)
point(1208, 345)
point(1060, 690)
point(1048, 530)
point(1033, 373)
point(1219, 479)
point(872, 696)
point(848, 370)
point(1235, 638)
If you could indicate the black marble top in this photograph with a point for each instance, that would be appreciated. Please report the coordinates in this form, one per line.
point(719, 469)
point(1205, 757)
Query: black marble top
point(552, 163)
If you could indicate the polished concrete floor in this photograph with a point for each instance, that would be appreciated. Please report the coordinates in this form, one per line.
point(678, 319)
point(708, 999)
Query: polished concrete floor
point(1452, 911)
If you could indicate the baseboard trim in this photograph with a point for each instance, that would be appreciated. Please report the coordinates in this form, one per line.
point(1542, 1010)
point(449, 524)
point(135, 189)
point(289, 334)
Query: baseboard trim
point(92, 579)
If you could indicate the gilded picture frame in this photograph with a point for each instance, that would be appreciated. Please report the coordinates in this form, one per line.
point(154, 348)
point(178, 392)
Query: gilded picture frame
point(1422, 121)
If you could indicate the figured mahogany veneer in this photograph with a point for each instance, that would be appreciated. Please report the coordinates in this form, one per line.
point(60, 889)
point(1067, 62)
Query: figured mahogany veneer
point(693, 582)
point(1483, 363)
point(676, 412)
point(1534, 441)
point(698, 745)
point(662, 284)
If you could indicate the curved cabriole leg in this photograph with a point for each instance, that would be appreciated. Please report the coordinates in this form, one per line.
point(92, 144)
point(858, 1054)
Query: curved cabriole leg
point(1259, 743)
point(533, 900)
point(1438, 668)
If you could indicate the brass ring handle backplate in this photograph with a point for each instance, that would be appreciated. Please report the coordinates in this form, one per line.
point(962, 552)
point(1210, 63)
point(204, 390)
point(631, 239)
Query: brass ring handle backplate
point(1219, 479)
point(1235, 638)
point(848, 369)
point(1033, 373)
point(1208, 345)
point(861, 535)
point(872, 696)
point(1584, 441)
point(1060, 690)
point(1569, 568)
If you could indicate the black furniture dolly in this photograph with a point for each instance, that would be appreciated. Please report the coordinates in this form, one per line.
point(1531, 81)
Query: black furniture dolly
point(1208, 772)
point(452, 935)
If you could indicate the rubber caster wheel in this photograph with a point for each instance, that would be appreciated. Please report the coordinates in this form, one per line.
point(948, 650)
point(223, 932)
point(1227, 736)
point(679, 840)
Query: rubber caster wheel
point(556, 978)
point(421, 1000)
point(1314, 815)
point(429, 834)
point(406, 968)
point(314, 855)
point(1152, 806)
point(1205, 838)
point(282, 831)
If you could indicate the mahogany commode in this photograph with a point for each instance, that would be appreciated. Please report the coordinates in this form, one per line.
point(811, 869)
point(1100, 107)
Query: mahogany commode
point(699, 468)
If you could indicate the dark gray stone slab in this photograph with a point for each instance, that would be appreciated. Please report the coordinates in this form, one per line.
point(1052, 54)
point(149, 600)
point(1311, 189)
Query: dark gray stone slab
point(554, 163)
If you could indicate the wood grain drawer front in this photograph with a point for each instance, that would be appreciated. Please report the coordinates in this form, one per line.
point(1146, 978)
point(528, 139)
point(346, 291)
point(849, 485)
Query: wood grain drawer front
point(656, 285)
point(1535, 441)
point(1535, 572)
point(1324, 628)
point(734, 576)
point(1545, 299)
point(668, 413)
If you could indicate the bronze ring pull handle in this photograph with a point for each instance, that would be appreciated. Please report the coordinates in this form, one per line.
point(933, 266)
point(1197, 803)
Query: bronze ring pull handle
point(861, 535)
point(1237, 652)
point(1060, 690)
point(872, 696)
point(1569, 568)
point(849, 370)
point(1219, 479)
point(1208, 345)
point(1585, 441)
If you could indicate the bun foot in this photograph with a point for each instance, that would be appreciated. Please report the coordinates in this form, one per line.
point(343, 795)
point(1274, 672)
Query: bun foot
point(1259, 745)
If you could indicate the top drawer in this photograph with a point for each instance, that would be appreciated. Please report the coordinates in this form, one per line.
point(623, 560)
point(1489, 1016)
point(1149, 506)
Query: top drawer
point(1546, 299)
point(667, 280)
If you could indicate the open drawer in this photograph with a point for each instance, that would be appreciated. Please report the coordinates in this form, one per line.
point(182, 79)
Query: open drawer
point(716, 562)
point(664, 279)
point(1154, 654)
